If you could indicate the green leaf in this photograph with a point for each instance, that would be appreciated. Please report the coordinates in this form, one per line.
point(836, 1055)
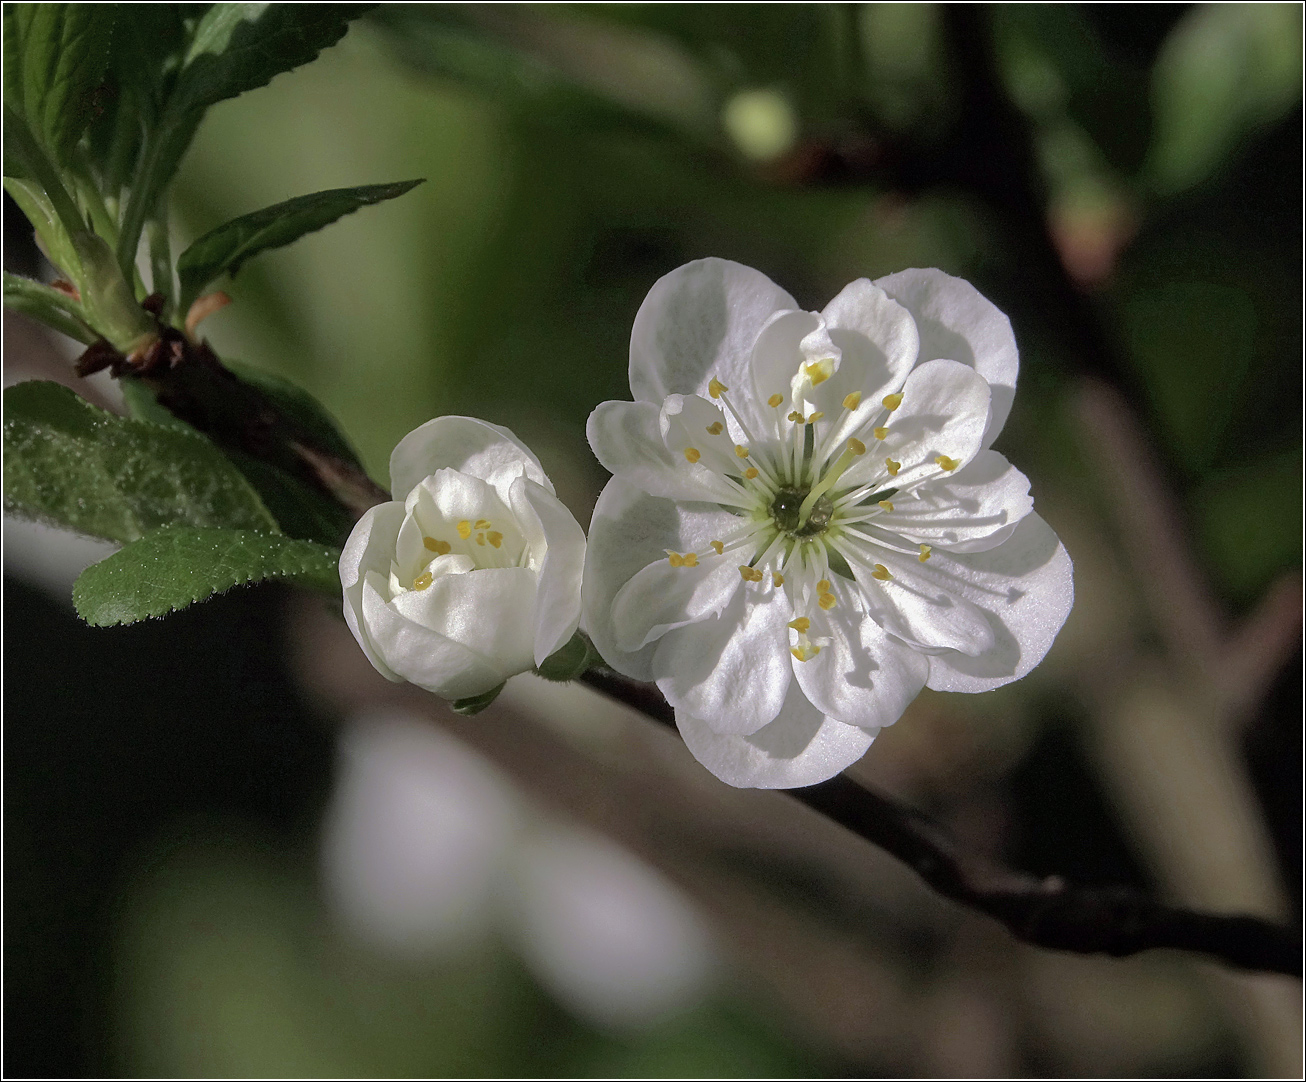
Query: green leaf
point(1225, 70)
point(571, 662)
point(178, 565)
point(50, 306)
point(235, 48)
point(73, 465)
point(224, 249)
point(55, 58)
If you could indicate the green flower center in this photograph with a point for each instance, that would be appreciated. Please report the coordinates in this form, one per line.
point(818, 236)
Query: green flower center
point(785, 512)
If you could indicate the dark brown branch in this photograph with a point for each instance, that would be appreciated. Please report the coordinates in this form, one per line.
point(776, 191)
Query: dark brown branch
point(1045, 912)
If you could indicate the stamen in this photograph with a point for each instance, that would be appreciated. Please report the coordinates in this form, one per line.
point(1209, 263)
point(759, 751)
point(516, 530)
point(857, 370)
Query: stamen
point(718, 546)
point(819, 371)
point(823, 586)
point(827, 601)
point(495, 538)
point(464, 529)
point(692, 454)
point(751, 472)
point(741, 451)
point(892, 466)
point(856, 446)
point(892, 401)
point(881, 572)
point(795, 416)
point(482, 523)
point(852, 401)
point(802, 625)
point(674, 558)
point(750, 574)
point(775, 400)
point(881, 433)
point(716, 388)
point(805, 653)
point(887, 505)
point(440, 548)
point(480, 539)
point(948, 464)
point(778, 579)
point(690, 559)
point(925, 553)
point(715, 428)
point(815, 417)
point(423, 580)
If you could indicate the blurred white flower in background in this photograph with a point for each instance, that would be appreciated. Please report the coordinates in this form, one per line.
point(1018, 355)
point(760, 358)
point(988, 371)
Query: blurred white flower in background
point(428, 849)
point(807, 525)
point(472, 573)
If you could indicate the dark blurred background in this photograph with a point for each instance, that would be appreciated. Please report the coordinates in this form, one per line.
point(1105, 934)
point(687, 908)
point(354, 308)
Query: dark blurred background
point(231, 849)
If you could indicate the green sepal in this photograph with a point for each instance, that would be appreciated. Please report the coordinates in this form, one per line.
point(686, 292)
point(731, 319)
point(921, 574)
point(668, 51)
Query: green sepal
point(474, 704)
point(571, 662)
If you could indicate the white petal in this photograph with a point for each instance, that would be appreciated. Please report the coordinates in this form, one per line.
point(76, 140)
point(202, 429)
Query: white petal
point(866, 324)
point(956, 321)
point(422, 656)
point(557, 603)
point(699, 322)
point(629, 530)
point(1025, 587)
point(370, 547)
point(627, 439)
point(661, 597)
point(861, 676)
point(944, 409)
point(801, 747)
point(921, 603)
point(479, 448)
point(974, 509)
point(777, 355)
point(731, 670)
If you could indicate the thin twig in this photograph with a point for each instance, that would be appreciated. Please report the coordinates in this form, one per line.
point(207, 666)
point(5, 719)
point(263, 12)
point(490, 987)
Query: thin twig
point(1046, 912)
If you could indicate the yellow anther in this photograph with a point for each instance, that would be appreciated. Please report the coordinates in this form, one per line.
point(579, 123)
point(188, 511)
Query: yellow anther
point(690, 559)
point(880, 433)
point(881, 572)
point(423, 580)
point(892, 466)
point(718, 546)
point(819, 371)
point(440, 548)
point(483, 524)
point(856, 446)
point(464, 529)
point(715, 428)
point(692, 454)
point(716, 388)
point(852, 401)
point(948, 464)
point(775, 400)
point(495, 538)
point(886, 505)
point(925, 553)
point(674, 558)
point(892, 401)
point(741, 451)
point(802, 625)
point(805, 653)
point(750, 574)
point(827, 601)
point(795, 416)
point(823, 587)
point(480, 539)
point(778, 579)
point(751, 472)
point(815, 417)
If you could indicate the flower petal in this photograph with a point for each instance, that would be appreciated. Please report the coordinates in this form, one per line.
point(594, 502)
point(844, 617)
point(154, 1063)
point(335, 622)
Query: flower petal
point(661, 597)
point(731, 670)
point(699, 322)
point(490, 611)
point(974, 509)
point(627, 439)
point(944, 410)
point(422, 656)
point(557, 602)
point(1025, 587)
point(875, 331)
point(956, 321)
point(370, 547)
point(800, 747)
point(628, 531)
point(861, 676)
point(479, 448)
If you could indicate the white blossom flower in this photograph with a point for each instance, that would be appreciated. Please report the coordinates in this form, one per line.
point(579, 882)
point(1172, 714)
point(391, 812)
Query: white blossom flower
point(472, 574)
point(806, 524)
